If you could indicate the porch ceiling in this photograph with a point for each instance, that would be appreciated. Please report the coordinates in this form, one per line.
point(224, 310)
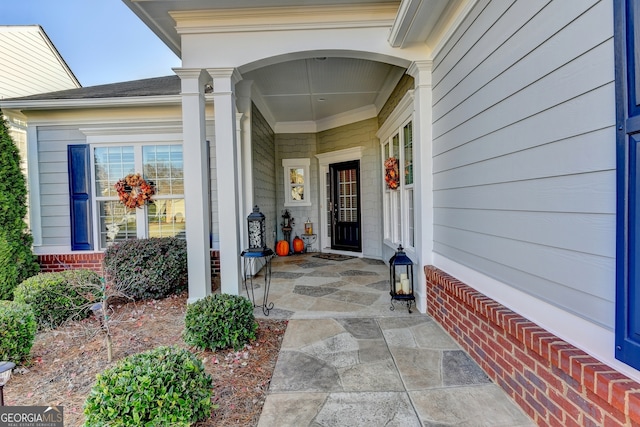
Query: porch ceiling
point(317, 89)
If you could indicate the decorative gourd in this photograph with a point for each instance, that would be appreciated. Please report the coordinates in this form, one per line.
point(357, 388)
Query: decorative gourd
point(298, 245)
point(282, 248)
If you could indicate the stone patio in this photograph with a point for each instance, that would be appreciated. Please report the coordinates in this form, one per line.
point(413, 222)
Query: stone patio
point(348, 360)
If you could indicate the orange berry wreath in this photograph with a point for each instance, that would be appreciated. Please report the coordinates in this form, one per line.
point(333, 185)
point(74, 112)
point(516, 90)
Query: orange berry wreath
point(391, 174)
point(134, 191)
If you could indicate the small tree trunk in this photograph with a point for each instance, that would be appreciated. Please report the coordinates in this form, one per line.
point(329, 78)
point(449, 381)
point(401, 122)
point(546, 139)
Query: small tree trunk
point(109, 349)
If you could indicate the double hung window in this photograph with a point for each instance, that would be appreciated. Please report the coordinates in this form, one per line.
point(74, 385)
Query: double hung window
point(161, 165)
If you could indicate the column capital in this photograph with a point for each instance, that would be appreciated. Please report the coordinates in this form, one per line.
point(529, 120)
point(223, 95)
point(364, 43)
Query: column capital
point(192, 79)
point(224, 73)
point(421, 71)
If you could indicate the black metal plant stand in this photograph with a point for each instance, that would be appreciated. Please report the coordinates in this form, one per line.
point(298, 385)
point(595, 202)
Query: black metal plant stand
point(249, 261)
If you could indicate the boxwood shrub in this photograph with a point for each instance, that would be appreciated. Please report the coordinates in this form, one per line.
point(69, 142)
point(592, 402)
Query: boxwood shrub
point(219, 321)
point(60, 296)
point(148, 268)
point(166, 386)
point(17, 331)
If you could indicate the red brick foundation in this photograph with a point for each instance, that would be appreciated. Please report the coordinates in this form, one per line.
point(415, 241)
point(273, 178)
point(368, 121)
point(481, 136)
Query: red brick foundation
point(93, 261)
point(90, 261)
point(555, 383)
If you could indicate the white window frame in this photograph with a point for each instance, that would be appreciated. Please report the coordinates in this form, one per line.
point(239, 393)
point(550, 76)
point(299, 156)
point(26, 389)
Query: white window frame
point(135, 137)
point(396, 202)
point(303, 164)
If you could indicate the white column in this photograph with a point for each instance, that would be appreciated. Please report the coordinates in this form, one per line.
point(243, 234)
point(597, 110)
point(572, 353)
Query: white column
point(196, 177)
point(244, 104)
point(229, 216)
point(422, 146)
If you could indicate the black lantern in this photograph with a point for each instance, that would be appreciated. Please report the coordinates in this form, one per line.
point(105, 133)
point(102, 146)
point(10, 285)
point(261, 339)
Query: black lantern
point(401, 278)
point(257, 231)
point(5, 374)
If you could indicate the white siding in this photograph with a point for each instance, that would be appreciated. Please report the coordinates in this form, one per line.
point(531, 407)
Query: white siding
point(30, 64)
point(54, 182)
point(524, 150)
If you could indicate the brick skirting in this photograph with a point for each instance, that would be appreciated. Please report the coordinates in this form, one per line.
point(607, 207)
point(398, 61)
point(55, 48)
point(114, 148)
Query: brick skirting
point(59, 262)
point(555, 383)
point(93, 261)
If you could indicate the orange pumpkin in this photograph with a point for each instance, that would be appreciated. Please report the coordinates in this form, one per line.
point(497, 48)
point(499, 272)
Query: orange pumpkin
point(298, 245)
point(282, 248)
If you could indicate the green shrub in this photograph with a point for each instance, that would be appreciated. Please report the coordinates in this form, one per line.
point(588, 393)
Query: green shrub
point(17, 262)
point(166, 386)
point(148, 268)
point(58, 297)
point(219, 321)
point(17, 331)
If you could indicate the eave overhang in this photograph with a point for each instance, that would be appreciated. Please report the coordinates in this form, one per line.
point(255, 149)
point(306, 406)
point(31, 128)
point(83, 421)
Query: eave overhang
point(70, 104)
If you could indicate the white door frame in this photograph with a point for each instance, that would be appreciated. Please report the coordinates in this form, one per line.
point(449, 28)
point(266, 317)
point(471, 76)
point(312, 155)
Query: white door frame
point(324, 160)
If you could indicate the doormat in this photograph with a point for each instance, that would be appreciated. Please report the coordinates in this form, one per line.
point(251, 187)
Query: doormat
point(334, 257)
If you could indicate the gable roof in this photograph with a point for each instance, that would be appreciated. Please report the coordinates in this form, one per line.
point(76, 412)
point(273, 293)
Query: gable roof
point(30, 63)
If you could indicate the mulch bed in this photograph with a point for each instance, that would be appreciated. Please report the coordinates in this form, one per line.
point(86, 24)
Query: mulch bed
point(65, 362)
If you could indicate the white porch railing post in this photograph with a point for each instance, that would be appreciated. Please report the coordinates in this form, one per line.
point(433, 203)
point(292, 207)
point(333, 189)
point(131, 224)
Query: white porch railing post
point(422, 146)
point(230, 218)
point(196, 177)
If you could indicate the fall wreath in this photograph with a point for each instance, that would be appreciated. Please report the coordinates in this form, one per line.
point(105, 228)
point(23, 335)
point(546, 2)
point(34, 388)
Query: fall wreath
point(134, 191)
point(391, 174)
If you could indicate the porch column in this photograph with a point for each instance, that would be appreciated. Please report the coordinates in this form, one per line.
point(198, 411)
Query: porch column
point(244, 105)
point(422, 146)
point(196, 175)
point(229, 216)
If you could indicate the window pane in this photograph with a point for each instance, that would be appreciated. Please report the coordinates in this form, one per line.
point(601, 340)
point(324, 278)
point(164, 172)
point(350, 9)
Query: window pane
point(163, 164)
point(297, 192)
point(296, 176)
point(166, 218)
point(396, 146)
point(111, 164)
point(408, 154)
point(410, 225)
point(117, 223)
point(397, 215)
point(387, 215)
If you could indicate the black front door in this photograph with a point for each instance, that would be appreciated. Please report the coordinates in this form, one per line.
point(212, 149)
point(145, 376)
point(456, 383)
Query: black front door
point(346, 230)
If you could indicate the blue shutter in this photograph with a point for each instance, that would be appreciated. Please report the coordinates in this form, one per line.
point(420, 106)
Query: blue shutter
point(627, 42)
point(80, 197)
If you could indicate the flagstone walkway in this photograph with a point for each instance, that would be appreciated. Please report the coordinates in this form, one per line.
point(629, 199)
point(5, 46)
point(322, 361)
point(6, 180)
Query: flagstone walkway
point(348, 360)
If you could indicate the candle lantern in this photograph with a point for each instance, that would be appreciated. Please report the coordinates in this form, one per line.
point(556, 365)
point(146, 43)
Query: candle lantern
point(256, 231)
point(308, 226)
point(401, 278)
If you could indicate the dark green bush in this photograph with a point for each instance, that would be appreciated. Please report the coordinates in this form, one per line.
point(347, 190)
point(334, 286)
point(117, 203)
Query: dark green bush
point(166, 386)
point(17, 262)
point(58, 297)
point(148, 268)
point(219, 321)
point(17, 331)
